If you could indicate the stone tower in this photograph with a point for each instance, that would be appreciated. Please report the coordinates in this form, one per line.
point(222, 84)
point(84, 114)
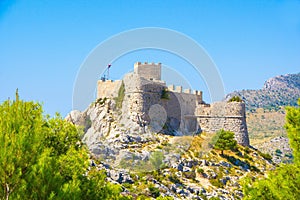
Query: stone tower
point(149, 71)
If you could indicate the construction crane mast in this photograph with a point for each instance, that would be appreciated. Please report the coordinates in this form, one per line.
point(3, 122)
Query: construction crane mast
point(105, 75)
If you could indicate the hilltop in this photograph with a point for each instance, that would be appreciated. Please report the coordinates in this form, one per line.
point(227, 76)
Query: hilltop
point(278, 91)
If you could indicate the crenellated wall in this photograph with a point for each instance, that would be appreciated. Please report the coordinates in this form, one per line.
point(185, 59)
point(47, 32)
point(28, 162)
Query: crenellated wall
point(183, 110)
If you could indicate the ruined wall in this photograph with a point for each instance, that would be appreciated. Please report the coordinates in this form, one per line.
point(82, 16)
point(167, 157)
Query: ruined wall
point(229, 116)
point(108, 88)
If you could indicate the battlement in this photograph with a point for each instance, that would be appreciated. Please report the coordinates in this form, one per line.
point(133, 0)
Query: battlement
point(185, 108)
point(150, 71)
point(179, 89)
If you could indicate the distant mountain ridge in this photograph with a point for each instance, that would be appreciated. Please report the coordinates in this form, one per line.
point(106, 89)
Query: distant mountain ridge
point(278, 91)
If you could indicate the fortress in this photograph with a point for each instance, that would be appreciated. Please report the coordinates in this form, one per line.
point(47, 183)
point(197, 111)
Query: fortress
point(148, 103)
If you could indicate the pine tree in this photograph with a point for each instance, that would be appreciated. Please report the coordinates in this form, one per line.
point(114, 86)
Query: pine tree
point(224, 140)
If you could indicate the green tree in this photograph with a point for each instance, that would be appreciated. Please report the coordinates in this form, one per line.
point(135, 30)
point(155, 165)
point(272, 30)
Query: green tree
point(293, 130)
point(43, 157)
point(156, 159)
point(224, 140)
point(284, 181)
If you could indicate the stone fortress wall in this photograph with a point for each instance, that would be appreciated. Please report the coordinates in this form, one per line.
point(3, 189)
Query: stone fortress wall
point(224, 115)
point(108, 88)
point(183, 110)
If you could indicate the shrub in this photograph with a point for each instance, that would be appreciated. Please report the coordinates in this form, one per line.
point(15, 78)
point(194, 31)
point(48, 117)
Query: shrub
point(265, 155)
point(235, 99)
point(247, 150)
point(173, 178)
point(121, 94)
point(200, 170)
point(154, 192)
point(165, 94)
point(216, 182)
point(190, 175)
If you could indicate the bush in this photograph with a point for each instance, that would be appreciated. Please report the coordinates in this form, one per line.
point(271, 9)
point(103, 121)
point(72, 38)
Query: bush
point(200, 170)
point(190, 175)
point(216, 182)
point(235, 99)
point(173, 178)
point(247, 150)
point(121, 94)
point(165, 94)
point(154, 192)
point(265, 155)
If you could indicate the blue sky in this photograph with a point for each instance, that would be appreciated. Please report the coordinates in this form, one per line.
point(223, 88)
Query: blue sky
point(43, 43)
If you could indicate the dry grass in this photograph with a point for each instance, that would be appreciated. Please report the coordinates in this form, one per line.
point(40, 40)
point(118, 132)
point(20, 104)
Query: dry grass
point(264, 125)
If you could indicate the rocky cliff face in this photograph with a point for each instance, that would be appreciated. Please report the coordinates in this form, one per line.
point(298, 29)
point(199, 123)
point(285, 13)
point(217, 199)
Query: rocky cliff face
point(278, 91)
point(183, 167)
point(136, 137)
point(291, 81)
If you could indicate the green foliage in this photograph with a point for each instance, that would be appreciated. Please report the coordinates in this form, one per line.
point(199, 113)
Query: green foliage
point(101, 101)
point(43, 158)
point(235, 99)
point(121, 95)
point(154, 192)
point(224, 140)
point(292, 127)
point(216, 182)
point(156, 159)
point(247, 150)
point(164, 198)
point(284, 182)
point(265, 155)
point(189, 175)
point(214, 198)
point(200, 170)
point(165, 94)
point(173, 178)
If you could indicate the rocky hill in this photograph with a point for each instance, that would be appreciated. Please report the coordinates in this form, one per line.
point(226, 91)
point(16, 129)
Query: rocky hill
point(149, 164)
point(278, 91)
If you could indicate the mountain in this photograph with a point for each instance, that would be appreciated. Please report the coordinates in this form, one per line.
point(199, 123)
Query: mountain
point(278, 91)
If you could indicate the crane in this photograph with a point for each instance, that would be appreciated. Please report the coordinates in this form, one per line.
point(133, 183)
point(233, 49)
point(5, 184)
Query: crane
point(106, 72)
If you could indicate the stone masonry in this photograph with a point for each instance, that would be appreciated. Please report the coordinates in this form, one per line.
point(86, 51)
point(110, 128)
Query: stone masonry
point(149, 104)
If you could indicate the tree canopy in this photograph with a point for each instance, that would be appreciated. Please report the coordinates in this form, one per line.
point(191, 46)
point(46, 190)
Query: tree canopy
point(224, 140)
point(43, 157)
point(284, 181)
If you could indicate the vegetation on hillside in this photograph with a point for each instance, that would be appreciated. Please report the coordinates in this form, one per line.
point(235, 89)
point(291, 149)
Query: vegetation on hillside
point(43, 157)
point(121, 93)
point(284, 182)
